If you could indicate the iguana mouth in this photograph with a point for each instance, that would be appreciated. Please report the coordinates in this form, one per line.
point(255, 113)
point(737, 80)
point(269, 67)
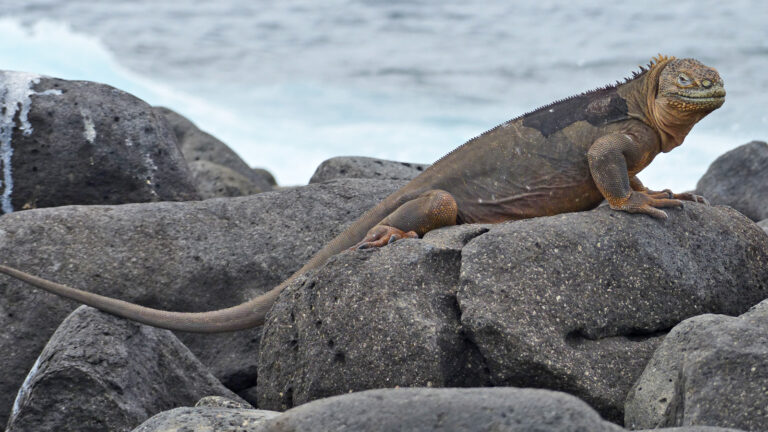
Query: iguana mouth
point(708, 98)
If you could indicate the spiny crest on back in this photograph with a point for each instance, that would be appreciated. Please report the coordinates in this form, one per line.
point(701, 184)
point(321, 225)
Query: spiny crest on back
point(655, 61)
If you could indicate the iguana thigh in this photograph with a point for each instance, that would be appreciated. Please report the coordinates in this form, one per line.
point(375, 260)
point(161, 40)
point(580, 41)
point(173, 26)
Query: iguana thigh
point(430, 210)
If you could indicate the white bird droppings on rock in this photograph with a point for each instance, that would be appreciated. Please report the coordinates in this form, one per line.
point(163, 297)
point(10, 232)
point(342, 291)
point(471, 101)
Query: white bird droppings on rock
point(15, 92)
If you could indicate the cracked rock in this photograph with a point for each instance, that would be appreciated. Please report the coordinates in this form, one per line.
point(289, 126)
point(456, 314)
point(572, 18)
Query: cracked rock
point(579, 302)
point(371, 319)
point(711, 369)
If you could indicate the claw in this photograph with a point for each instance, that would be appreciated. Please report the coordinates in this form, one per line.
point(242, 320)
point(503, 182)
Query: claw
point(381, 236)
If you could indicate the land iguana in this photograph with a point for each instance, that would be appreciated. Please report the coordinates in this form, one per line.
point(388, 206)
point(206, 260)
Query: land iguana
point(564, 157)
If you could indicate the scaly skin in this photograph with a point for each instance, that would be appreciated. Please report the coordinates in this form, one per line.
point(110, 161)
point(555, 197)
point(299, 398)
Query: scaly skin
point(564, 157)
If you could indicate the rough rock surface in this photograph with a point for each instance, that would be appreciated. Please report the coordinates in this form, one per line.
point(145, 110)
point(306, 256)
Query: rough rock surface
point(579, 302)
point(188, 256)
point(371, 320)
point(365, 167)
point(197, 145)
point(693, 429)
point(739, 178)
point(79, 142)
point(206, 420)
point(485, 409)
point(576, 302)
point(214, 180)
point(222, 402)
point(710, 370)
point(99, 372)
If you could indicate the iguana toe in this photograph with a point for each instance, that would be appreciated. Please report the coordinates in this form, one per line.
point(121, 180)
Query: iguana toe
point(692, 197)
point(383, 235)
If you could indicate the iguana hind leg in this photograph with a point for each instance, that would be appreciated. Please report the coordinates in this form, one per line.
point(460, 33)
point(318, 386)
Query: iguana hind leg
point(430, 210)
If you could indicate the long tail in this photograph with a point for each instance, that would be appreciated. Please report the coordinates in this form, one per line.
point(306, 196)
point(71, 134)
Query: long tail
point(245, 315)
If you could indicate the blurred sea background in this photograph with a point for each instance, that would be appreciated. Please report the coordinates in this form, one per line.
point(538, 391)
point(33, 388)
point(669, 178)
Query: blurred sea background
point(288, 84)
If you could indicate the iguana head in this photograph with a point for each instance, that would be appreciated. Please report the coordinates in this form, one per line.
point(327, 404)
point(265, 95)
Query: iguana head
point(679, 93)
point(688, 86)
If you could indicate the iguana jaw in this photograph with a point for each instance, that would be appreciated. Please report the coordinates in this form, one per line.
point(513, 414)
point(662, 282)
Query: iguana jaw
point(706, 101)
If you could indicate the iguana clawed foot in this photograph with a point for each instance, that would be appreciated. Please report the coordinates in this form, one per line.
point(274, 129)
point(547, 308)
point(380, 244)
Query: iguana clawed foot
point(382, 235)
point(647, 203)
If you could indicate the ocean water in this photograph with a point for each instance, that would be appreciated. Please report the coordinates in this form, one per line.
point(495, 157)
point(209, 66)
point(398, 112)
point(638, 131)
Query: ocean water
point(288, 84)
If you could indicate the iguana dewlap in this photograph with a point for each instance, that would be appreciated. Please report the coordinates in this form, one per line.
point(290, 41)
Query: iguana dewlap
point(566, 156)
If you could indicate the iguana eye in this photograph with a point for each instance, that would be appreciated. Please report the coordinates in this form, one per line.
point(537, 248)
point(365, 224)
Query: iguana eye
point(682, 79)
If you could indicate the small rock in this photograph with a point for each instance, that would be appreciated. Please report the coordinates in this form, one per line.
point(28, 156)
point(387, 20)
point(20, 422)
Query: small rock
point(214, 180)
point(99, 372)
point(739, 178)
point(222, 402)
point(265, 175)
point(365, 167)
point(710, 369)
point(198, 145)
point(207, 420)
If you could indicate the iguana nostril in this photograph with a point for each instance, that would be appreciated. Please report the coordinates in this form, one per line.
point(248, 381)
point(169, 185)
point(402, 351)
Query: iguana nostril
point(706, 83)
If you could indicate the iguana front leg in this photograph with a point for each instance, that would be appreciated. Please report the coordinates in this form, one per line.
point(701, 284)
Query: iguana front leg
point(637, 185)
point(430, 210)
point(609, 158)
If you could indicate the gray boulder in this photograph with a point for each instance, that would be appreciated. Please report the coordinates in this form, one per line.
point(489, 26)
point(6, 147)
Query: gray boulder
point(214, 180)
point(764, 225)
point(579, 302)
point(265, 175)
point(206, 420)
point(365, 167)
point(710, 370)
point(78, 142)
point(198, 145)
point(576, 302)
point(420, 409)
point(99, 372)
point(739, 178)
point(371, 320)
point(188, 256)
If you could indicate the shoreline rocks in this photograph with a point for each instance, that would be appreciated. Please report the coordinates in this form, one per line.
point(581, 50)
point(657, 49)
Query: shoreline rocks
point(576, 302)
point(183, 256)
